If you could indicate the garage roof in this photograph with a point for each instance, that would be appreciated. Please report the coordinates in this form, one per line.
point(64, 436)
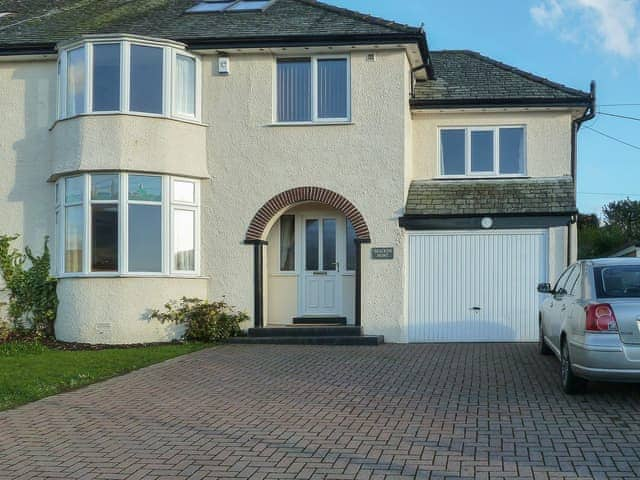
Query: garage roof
point(491, 197)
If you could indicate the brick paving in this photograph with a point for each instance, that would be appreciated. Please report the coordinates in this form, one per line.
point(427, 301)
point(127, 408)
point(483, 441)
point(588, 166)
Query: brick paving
point(310, 412)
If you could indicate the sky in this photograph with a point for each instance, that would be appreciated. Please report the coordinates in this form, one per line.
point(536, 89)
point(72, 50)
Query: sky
point(568, 41)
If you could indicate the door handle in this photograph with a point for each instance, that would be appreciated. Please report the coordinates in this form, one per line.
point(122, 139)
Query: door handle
point(476, 309)
point(564, 307)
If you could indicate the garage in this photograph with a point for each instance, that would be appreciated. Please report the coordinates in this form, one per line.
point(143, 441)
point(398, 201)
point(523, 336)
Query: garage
point(475, 286)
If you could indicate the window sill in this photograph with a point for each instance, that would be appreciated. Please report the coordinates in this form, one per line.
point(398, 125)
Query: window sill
point(310, 124)
point(130, 114)
point(131, 275)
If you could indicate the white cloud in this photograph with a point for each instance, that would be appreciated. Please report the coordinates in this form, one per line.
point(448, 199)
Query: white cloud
point(610, 25)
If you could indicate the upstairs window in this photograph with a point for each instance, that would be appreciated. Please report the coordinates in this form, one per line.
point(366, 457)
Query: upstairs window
point(129, 76)
point(313, 89)
point(483, 151)
point(229, 6)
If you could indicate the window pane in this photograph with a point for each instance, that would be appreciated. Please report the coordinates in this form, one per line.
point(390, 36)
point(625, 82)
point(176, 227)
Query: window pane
point(184, 192)
point(146, 79)
point(74, 190)
point(73, 238)
point(250, 5)
point(75, 82)
point(512, 150)
point(312, 233)
point(105, 187)
point(184, 244)
point(482, 151)
point(145, 188)
point(106, 77)
point(185, 85)
point(329, 244)
point(351, 246)
point(332, 88)
point(294, 90)
point(453, 152)
point(104, 238)
point(145, 238)
point(287, 243)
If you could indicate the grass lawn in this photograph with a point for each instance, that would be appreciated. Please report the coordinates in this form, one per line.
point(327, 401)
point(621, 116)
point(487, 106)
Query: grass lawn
point(30, 371)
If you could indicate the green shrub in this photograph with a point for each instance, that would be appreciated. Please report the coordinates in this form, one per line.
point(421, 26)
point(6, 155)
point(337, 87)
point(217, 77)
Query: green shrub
point(33, 301)
point(204, 321)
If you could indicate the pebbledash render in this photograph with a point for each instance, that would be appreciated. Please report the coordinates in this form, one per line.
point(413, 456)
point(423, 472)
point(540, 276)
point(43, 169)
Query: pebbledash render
point(297, 159)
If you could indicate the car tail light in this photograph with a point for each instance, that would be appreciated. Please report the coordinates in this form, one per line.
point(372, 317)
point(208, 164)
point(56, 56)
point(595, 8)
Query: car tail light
point(600, 318)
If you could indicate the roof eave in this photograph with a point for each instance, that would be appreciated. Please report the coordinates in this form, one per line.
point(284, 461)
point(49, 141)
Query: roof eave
point(500, 102)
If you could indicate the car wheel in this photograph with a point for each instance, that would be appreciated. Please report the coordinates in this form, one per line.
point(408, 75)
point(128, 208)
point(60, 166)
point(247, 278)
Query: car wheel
point(571, 384)
point(543, 348)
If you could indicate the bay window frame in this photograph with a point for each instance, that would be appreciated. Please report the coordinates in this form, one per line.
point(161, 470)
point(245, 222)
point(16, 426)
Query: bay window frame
point(467, 150)
point(313, 60)
point(167, 206)
point(169, 83)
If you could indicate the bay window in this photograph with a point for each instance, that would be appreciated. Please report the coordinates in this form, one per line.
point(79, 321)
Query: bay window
point(483, 151)
point(128, 75)
point(313, 89)
point(126, 223)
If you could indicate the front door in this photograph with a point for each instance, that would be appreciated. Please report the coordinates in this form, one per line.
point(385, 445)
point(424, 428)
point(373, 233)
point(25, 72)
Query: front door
point(320, 292)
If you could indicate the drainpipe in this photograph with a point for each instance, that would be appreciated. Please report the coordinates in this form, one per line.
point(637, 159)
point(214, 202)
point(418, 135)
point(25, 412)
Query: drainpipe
point(589, 113)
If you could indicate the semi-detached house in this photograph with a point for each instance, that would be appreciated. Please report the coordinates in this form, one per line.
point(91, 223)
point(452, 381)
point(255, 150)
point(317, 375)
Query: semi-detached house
point(301, 160)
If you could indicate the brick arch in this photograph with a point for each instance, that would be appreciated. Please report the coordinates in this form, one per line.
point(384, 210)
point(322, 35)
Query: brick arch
point(273, 207)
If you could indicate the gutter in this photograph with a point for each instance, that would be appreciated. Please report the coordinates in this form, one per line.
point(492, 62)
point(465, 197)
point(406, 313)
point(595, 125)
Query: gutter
point(213, 43)
point(589, 114)
point(499, 102)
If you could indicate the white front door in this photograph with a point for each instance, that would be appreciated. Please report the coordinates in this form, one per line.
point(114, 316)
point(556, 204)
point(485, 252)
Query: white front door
point(320, 276)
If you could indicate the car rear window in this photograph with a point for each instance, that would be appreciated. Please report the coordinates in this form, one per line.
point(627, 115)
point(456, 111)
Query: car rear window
point(617, 281)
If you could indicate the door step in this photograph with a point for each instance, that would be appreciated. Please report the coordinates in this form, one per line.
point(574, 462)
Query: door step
point(320, 321)
point(306, 331)
point(298, 340)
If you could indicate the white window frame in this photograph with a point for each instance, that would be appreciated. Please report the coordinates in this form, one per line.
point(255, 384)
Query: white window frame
point(168, 88)
point(315, 119)
point(496, 152)
point(167, 208)
point(186, 206)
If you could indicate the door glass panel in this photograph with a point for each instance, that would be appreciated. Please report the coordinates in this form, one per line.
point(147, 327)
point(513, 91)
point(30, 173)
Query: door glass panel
point(312, 244)
point(351, 247)
point(329, 244)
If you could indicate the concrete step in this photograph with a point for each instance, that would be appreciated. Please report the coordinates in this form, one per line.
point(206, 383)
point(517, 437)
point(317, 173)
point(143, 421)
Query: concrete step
point(320, 321)
point(306, 331)
point(331, 340)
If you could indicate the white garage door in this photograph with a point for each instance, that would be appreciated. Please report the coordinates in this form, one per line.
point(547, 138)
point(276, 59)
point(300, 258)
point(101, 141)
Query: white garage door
point(475, 286)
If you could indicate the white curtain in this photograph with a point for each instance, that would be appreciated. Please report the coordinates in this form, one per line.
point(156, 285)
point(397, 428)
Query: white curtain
point(184, 240)
point(185, 85)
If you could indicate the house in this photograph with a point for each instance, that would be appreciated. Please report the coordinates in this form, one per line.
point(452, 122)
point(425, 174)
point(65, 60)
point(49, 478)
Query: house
point(306, 162)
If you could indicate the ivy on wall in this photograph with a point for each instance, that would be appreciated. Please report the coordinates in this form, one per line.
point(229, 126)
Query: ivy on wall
point(33, 301)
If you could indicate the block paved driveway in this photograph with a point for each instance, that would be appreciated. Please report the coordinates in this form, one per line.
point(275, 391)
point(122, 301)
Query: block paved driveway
point(396, 411)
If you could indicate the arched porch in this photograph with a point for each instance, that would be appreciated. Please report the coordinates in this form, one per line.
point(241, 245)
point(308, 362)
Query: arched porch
point(328, 231)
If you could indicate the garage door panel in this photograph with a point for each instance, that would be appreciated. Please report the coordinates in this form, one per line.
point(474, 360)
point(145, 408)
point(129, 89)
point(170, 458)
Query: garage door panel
point(475, 286)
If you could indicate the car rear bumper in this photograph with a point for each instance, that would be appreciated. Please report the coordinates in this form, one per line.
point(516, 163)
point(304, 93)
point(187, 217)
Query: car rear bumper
point(606, 358)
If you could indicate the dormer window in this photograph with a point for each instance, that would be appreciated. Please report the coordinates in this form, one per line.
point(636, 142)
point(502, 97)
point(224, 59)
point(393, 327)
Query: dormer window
point(130, 75)
point(229, 6)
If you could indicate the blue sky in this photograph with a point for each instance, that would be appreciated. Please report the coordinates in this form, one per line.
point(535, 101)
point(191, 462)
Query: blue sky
point(568, 41)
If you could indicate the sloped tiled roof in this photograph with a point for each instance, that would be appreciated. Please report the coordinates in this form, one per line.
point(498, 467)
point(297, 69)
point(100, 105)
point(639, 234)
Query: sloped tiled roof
point(464, 77)
point(45, 22)
point(491, 197)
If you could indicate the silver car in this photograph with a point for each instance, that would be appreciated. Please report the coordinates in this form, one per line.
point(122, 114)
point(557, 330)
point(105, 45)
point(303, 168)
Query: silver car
point(591, 322)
